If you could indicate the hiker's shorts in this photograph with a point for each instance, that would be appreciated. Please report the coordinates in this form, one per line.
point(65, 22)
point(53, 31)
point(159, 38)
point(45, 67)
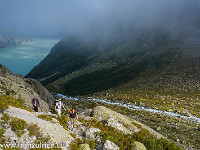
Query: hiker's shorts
point(59, 113)
point(72, 120)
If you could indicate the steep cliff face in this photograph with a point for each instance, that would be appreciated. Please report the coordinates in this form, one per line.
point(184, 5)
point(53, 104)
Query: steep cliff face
point(21, 88)
point(9, 38)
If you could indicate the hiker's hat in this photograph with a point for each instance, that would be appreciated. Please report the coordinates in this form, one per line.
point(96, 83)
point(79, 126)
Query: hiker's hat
point(60, 99)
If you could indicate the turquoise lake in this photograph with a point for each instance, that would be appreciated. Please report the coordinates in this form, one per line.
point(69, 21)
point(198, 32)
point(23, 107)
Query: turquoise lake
point(22, 58)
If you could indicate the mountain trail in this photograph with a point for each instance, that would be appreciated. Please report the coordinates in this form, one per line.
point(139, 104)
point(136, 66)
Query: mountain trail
point(56, 132)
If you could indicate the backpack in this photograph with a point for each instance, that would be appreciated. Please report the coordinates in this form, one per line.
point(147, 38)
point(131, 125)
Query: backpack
point(58, 106)
point(55, 102)
point(72, 115)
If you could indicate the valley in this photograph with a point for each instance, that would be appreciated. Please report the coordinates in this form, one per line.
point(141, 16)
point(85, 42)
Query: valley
point(154, 80)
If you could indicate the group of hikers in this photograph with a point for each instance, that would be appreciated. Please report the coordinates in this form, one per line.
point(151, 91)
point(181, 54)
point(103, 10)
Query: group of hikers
point(58, 108)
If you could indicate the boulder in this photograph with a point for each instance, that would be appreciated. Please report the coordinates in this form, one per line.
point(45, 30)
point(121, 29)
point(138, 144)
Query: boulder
point(158, 129)
point(92, 133)
point(108, 145)
point(121, 122)
point(81, 116)
point(88, 112)
point(99, 146)
point(88, 118)
point(138, 146)
point(114, 119)
point(9, 134)
point(26, 139)
point(80, 131)
point(84, 147)
point(117, 125)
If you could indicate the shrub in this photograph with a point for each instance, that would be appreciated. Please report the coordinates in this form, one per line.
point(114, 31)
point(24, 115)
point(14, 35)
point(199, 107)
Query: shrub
point(76, 144)
point(2, 140)
point(18, 126)
point(3, 106)
point(34, 130)
point(152, 143)
point(5, 118)
point(63, 122)
point(8, 92)
point(6, 100)
point(45, 117)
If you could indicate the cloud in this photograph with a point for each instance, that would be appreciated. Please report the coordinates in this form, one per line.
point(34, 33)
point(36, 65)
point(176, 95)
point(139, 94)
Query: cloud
point(104, 18)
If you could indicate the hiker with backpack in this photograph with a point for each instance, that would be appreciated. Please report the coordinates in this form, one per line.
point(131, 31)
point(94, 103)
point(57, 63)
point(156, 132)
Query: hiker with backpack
point(72, 115)
point(58, 108)
point(36, 104)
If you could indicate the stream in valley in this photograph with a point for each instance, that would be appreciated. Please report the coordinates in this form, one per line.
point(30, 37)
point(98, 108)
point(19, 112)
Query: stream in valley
point(134, 107)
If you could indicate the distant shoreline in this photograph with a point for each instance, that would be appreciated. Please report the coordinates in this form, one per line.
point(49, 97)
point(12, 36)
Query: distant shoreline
point(21, 58)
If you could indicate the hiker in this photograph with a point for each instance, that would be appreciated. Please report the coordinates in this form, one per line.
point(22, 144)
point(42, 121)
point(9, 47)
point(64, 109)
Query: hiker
point(58, 108)
point(35, 104)
point(72, 115)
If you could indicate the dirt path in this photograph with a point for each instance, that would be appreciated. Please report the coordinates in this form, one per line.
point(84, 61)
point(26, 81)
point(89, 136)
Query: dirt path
point(56, 132)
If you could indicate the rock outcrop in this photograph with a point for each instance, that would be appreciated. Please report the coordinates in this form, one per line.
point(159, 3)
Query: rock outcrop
point(120, 122)
point(22, 88)
point(138, 146)
point(114, 119)
point(41, 91)
point(108, 145)
point(92, 133)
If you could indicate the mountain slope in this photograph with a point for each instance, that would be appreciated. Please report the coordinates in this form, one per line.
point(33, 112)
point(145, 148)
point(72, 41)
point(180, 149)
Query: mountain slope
point(77, 68)
point(9, 38)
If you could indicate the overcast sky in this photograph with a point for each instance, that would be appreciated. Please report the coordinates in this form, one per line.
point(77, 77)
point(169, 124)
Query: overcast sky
point(59, 18)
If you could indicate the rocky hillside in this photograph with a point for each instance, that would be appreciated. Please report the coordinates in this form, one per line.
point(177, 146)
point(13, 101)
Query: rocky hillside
point(9, 38)
point(97, 128)
point(16, 86)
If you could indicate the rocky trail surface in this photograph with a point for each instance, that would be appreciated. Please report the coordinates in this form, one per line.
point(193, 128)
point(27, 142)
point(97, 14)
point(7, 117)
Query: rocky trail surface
point(56, 132)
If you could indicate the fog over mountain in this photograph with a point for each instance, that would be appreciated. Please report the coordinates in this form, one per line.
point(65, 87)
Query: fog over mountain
point(103, 19)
